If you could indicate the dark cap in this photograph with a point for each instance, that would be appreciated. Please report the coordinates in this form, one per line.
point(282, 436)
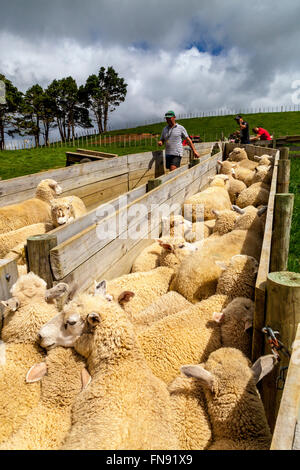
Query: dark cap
point(237, 117)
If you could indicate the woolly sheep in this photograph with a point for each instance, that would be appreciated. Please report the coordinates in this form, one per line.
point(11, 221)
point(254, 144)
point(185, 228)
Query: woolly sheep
point(63, 375)
point(243, 174)
point(237, 155)
point(148, 258)
point(174, 251)
point(167, 304)
point(263, 174)
point(214, 197)
point(251, 218)
point(225, 221)
point(238, 277)
point(264, 160)
point(66, 209)
point(9, 240)
point(236, 321)
point(146, 286)
point(255, 195)
point(125, 405)
point(31, 211)
point(235, 409)
point(234, 186)
point(176, 226)
point(24, 315)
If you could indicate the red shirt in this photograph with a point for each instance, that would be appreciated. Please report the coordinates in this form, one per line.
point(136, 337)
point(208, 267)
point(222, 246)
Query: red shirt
point(264, 134)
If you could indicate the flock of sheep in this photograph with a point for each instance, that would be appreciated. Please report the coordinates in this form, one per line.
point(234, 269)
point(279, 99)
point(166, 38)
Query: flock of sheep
point(154, 359)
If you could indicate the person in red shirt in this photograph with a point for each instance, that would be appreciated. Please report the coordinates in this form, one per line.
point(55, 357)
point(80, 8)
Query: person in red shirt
point(261, 134)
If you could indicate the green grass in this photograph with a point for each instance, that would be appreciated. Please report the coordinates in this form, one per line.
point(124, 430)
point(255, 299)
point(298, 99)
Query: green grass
point(23, 162)
point(294, 252)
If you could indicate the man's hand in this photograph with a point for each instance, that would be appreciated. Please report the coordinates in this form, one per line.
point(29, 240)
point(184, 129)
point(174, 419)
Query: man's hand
point(196, 154)
point(160, 143)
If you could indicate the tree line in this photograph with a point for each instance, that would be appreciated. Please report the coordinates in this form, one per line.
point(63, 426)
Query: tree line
point(61, 105)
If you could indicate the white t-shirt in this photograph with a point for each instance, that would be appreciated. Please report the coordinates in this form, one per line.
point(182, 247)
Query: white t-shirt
point(172, 137)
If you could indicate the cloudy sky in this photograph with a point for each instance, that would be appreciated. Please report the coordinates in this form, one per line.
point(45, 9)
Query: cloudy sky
point(191, 56)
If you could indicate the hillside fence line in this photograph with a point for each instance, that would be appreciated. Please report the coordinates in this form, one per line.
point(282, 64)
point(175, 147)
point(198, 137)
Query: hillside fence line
point(88, 136)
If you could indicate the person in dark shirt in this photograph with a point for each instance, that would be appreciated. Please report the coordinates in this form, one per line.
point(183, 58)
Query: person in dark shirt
point(244, 130)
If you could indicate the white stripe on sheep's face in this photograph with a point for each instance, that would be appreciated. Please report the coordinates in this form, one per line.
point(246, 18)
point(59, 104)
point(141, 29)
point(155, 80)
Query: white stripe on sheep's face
point(61, 332)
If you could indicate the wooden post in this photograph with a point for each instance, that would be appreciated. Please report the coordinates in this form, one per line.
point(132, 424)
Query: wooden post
point(283, 211)
point(283, 178)
point(159, 168)
point(152, 184)
point(8, 276)
point(284, 153)
point(194, 162)
point(283, 315)
point(38, 256)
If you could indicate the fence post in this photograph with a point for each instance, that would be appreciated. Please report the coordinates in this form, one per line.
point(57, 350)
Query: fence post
point(283, 178)
point(8, 276)
point(152, 184)
point(283, 211)
point(283, 315)
point(38, 256)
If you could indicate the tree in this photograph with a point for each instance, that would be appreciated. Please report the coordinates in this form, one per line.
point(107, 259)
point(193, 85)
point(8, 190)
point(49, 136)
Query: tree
point(30, 113)
point(103, 93)
point(68, 109)
point(12, 102)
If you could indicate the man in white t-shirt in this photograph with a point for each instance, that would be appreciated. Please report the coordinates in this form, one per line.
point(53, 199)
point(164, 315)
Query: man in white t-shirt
point(172, 135)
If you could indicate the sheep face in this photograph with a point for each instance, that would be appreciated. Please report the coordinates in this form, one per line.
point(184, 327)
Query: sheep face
point(62, 212)
point(53, 185)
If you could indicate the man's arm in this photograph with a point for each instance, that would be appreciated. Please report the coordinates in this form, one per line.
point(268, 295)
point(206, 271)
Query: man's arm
point(190, 143)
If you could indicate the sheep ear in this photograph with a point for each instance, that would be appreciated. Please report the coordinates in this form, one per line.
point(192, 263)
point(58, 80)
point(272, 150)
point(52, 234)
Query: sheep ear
point(248, 324)
point(166, 246)
point(57, 291)
point(125, 296)
point(221, 264)
point(100, 287)
point(215, 212)
point(205, 378)
point(262, 210)
point(218, 317)
point(11, 304)
point(36, 372)
point(93, 318)
point(237, 209)
point(263, 366)
point(85, 378)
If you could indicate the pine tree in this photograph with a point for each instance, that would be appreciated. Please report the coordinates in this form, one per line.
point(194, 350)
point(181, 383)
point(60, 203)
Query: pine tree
point(13, 99)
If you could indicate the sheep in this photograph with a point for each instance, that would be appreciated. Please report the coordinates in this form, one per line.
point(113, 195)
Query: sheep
point(125, 405)
point(234, 406)
point(214, 197)
point(192, 425)
point(234, 186)
point(148, 258)
point(31, 211)
point(255, 195)
point(24, 315)
point(147, 287)
point(238, 277)
point(263, 174)
point(237, 155)
point(174, 251)
point(264, 160)
point(251, 218)
point(63, 375)
point(13, 238)
point(176, 226)
point(167, 304)
point(243, 174)
point(66, 209)
point(236, 321)
point(225, 221)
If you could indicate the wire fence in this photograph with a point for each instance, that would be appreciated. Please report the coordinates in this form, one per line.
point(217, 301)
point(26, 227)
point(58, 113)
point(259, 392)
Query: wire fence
point(91, 137)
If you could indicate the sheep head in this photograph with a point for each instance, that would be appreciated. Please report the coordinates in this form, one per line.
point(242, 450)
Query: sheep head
point(62, 211)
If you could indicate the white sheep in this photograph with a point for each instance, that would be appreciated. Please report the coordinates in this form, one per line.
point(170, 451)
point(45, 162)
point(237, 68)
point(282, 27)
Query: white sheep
point(255, 195)
point(237, 155)
point(243, 174)
point(125, 406)
point(238, 277)
point(66, 209)
point(148, 258)
point(24, 315)
point(31, 211)
point(16, 238)
point(214, 197)
point(63, 376)
point(234, 406)
point(263, 174)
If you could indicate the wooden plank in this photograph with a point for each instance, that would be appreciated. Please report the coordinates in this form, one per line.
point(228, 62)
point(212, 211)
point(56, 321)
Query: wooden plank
point(93, 200)
point(8, 276)
point(284, 432)
point(86, 243)
point(263, 270)
point(96, 153)
point(18, 189)
point(69, 230)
